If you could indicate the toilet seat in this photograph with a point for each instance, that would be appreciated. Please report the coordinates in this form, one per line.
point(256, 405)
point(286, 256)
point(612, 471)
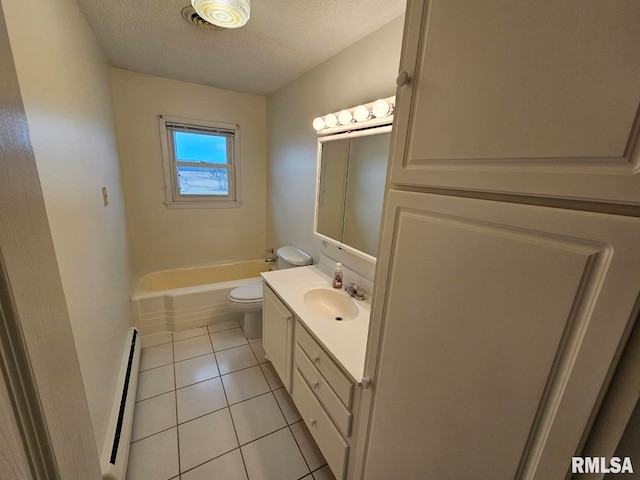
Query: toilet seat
point(250, 293)
point(247, 299)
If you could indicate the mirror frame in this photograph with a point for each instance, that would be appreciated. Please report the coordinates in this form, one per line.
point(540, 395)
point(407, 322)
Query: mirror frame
point(383, 128)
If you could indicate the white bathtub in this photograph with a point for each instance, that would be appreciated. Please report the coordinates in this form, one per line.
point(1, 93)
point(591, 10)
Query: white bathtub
point(184, 298)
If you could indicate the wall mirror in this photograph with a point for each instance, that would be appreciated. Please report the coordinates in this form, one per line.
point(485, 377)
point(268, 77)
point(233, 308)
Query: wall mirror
point(352, 169)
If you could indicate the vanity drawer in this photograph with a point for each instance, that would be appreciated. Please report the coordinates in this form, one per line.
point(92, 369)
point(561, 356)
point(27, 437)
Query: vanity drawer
point(341, 384)
point(324, 393)
point(334, 448)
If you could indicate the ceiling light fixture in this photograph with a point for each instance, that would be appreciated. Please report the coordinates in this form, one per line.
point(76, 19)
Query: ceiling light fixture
point(224, 13)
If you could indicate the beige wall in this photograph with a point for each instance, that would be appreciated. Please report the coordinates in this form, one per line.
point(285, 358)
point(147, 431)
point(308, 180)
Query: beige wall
point(162, 237)
point(64, 81)
point(359, 74)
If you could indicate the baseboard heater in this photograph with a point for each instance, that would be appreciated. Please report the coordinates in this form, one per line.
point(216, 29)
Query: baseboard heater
point(115, 452)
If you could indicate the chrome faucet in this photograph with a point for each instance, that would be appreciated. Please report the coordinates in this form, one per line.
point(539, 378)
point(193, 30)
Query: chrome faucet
point(355, 291)
point(271, 257)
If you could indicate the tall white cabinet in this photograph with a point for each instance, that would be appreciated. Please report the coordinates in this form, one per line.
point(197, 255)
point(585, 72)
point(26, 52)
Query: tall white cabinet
point(508, 271)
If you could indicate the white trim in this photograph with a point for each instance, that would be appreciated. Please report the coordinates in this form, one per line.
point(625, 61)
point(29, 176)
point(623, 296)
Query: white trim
point(354, 127)
point(173, 198)
point(203, 204)
point(386, 128)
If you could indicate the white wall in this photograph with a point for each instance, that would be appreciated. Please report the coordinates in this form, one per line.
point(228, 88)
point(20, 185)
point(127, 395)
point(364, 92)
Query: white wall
point(164, 238)
point(359, 74)
point(64, 81)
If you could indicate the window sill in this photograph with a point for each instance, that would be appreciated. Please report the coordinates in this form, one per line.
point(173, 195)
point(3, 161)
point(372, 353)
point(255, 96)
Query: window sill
point(203, 204)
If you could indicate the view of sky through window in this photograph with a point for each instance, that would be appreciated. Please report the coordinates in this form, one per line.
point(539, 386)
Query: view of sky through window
point(197, 147)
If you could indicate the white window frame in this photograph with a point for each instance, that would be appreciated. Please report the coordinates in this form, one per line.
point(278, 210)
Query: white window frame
point(173, 198)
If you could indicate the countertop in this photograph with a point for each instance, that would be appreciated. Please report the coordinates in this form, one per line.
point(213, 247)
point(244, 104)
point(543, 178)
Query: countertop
point(346, 341)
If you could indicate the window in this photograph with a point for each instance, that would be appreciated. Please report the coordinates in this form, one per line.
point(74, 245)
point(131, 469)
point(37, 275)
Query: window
point(200, 162)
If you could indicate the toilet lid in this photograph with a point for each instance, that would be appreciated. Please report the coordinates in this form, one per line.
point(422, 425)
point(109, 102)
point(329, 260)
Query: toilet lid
point(248, 292)
point(294, 256)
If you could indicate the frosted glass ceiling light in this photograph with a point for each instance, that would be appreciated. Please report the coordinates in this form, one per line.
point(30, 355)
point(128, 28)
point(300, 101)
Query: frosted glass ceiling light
point(345, 117)
point(318, 123)
point(381, 108)
point(224, 13)
point(361, 113)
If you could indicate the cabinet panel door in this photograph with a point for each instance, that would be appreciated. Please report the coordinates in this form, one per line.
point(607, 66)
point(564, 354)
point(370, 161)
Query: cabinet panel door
point(500, 325)
point(521, 97)
point(277, 335)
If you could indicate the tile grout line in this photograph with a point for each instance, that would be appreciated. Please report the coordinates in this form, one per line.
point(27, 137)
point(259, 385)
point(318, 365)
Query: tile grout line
point(210, 460)
point(244, 464)
point(291, 431)
point(233, 424)
point(156, 366)
point(228, 404)
point(289, 425)
point(295, 439)
point(271, 390)
point(263, 436)
point(152, 435)
point(175, 389)
point(201, 326)
point(175, 393)
point(208, 413)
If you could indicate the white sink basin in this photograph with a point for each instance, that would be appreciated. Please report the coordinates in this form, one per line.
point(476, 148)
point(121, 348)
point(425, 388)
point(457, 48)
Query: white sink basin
point(331, 304)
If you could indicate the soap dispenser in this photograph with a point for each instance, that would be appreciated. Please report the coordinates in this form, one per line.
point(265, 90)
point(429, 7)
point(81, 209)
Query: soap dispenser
point(337, 276)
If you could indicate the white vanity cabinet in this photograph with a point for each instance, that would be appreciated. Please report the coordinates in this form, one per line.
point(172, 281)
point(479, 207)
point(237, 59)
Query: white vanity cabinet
point(326, 398)
point(319, 360)
point(277, 335)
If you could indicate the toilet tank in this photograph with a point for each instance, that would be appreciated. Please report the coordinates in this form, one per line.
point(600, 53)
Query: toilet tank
point(289, 257)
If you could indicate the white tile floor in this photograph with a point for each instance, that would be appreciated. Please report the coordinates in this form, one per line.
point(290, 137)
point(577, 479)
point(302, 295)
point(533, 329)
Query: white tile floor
point(209, 406)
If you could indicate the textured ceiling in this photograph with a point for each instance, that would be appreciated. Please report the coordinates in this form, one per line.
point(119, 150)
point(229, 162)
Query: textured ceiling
point(283, 39)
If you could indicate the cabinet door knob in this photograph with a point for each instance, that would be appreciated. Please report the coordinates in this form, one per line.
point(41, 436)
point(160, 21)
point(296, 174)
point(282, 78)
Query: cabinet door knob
point(403, 78)
point(316, 359)
point(315, 385)
point(312, 422)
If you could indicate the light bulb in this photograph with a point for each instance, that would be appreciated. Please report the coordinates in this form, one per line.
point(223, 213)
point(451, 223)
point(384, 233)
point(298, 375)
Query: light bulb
point(345, 117)
point(381, 108)
point(331, 120)
point(361, 113)
point(318, 123)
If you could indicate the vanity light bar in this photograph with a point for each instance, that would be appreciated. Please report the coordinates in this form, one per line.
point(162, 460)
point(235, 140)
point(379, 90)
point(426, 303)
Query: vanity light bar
point(370, 114)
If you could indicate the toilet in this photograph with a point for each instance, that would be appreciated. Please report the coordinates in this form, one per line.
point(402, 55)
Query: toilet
point(247, 299)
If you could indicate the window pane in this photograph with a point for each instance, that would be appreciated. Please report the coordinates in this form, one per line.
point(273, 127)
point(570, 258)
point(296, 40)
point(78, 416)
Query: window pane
point(203, 181)
point(200, 147)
